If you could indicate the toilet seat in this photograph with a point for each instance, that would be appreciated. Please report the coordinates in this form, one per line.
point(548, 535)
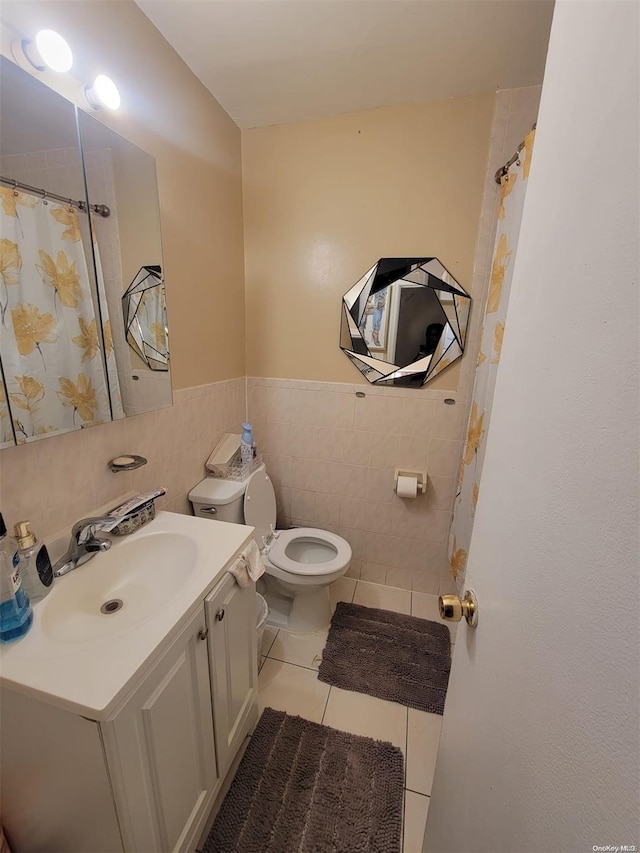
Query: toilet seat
point(339, 551)
point(287, 552)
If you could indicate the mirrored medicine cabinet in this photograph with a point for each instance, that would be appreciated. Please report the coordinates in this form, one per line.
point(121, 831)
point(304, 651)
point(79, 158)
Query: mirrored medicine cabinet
point(83, 324)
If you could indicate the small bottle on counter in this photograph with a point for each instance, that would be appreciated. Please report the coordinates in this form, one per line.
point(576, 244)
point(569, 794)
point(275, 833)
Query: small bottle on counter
point(35, 565)
point(16, 614)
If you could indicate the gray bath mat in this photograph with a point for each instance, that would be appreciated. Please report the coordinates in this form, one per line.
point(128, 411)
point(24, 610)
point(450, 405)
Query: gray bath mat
point(309, 788)
point(388, 655)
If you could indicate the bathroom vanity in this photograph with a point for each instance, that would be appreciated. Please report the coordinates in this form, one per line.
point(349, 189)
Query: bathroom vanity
point(117, 735)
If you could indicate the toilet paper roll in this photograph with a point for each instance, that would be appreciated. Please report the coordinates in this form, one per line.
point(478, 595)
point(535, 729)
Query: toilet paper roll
point(407, 487)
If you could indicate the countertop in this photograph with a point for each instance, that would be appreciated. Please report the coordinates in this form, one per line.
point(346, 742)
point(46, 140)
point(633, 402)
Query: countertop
point(95, 676)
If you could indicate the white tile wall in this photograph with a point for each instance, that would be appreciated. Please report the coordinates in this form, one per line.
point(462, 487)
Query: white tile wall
point(331, 456)
point(58, 480)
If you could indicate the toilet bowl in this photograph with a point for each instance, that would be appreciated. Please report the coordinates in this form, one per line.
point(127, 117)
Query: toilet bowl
point(300, 563)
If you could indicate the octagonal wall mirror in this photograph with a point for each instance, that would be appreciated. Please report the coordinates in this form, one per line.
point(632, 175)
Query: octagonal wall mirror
point(404, 321)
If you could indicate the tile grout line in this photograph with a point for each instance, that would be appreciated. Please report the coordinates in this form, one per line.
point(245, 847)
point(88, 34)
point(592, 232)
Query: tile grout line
point(299, 665)
point(326, 705)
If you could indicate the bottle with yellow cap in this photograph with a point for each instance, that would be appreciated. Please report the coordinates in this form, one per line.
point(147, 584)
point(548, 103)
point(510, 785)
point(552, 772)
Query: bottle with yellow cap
point(35, 564)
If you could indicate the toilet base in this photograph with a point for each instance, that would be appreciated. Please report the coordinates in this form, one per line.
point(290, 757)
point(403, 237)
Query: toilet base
point(304, 613)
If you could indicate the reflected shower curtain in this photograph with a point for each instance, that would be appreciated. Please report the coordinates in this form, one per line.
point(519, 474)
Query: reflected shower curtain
point(512, 193)
point(50, 344)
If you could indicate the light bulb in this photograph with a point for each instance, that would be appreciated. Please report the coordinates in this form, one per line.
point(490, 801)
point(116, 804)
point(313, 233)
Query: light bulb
point(103, 92)
point(54, 50)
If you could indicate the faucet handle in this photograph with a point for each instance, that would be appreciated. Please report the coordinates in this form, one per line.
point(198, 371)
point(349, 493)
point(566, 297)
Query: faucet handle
point(97, 543)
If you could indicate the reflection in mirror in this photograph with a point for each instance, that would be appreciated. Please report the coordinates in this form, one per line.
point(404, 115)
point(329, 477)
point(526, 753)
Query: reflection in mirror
point(128, 242)
point(6, 432)
point(51, 308)
point(145, 317)
point(404, 321)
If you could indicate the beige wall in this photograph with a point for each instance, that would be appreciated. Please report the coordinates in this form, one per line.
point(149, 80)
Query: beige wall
point(323, 200)
point(167, 112)
point(332, 455)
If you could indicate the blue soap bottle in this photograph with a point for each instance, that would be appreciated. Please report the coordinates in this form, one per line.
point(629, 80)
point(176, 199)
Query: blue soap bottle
point(16, 615)
point(246, 445)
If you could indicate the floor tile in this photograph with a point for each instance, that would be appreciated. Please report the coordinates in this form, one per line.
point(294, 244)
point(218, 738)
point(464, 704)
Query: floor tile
point(293, 689)
point(342, 590)
point(301, 649)
point(267, 639)
point(415, 819)
point(385, 597)
point(367, 715)
point(426, 607)
point(423, 737)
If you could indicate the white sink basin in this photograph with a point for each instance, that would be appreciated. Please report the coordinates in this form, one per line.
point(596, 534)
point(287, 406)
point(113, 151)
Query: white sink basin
point(118, 589)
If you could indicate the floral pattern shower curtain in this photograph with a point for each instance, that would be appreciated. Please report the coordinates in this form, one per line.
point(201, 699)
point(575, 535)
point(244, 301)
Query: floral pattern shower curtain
point(50, 344)
point(512, 193)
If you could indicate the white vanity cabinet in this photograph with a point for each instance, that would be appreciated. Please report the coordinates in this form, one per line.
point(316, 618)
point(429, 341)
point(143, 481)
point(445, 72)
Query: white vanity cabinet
point(231, 620)
point(160, 750)
point(145, 778)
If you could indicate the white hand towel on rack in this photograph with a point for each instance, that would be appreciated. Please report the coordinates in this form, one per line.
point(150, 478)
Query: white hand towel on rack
point(249, 566)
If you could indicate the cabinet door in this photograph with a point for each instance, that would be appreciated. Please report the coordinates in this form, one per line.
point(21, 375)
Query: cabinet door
point(160, 749)
point(231, 619)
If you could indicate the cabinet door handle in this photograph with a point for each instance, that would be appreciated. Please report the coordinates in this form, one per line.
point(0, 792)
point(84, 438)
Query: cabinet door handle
point(220, 615)
point(203, 633)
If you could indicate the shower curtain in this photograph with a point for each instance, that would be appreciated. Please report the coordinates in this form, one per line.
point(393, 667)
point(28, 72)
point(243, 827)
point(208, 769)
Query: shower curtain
point(512, 193)
point(50, 344)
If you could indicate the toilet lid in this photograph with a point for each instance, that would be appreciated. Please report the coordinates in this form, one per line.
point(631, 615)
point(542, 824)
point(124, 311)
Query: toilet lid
point(260, 505)
point(338, 551)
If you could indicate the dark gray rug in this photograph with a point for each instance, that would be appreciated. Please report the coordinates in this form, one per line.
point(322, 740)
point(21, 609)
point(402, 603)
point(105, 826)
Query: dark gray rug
point(309, 788)
point(388, 655)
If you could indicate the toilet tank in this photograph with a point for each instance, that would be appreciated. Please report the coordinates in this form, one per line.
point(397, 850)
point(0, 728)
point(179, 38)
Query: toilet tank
point(219, 500)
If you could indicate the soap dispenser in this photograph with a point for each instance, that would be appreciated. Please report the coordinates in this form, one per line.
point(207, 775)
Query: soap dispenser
point(16, 614)
point(35, 564)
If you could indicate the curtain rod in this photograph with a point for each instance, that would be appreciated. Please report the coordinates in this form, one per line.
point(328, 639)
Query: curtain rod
point(502, 171)
point(100, 209)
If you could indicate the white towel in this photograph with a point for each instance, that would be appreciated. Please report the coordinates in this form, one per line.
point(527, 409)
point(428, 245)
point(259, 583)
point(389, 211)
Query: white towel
point(249, 566)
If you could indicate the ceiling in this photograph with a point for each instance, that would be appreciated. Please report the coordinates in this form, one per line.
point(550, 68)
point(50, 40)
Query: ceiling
point(278, 61)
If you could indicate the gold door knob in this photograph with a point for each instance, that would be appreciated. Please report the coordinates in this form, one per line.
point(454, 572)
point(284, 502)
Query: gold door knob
point(453, 608)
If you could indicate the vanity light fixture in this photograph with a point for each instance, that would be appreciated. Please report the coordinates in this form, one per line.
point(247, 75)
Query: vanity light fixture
point(48, 50)
point(103, 93)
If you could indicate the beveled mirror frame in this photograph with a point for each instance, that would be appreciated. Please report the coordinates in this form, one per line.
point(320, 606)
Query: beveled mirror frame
point(359, 301)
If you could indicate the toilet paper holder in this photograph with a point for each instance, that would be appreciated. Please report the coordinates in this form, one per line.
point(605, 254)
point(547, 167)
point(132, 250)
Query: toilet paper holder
point(421, 477)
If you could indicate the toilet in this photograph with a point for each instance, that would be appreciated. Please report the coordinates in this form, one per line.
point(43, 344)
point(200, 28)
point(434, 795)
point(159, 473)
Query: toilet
point(300, 563)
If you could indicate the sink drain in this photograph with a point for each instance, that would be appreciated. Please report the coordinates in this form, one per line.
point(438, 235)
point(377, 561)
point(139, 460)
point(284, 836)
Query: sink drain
point(112, 606)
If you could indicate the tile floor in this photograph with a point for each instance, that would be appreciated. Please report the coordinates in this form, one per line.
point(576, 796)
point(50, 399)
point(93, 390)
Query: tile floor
point(288, 682)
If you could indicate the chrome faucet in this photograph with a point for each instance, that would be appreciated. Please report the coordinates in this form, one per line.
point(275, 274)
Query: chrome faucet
point(84, 544)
